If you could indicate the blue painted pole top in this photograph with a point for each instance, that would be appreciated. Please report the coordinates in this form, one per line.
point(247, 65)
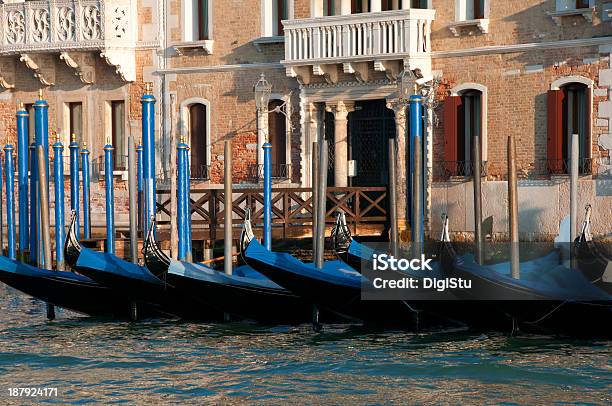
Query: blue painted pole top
point(58, 145)
point(415, 98)
point(267, 145)
point(8, 147)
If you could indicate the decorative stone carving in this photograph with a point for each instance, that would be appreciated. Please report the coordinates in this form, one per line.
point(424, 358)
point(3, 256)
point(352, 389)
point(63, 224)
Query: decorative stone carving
point(7, 74)
point(32, 29)
point(329, 72)
point(359, 69)
point(15, 27)
point(42, 66)
point(301, 73)
point(40, 25)
point(91, 22)
point(391, 68)
point(65, 24)
point(123, 61)
point(83, 65)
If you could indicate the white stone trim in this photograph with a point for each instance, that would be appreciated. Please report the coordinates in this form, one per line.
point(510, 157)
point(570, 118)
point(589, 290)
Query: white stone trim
point(184, 123)
point(502, 49)
point(559, 83)
point(458, 90)
point(222, 68)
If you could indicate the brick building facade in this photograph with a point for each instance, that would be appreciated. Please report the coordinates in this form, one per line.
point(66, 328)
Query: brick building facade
point(499, 60)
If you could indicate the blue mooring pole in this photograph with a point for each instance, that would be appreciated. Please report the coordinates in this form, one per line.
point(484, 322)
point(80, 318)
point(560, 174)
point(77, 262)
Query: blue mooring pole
point(10, 200)
point(33, 206)
point(139, 176)
point(58, 183)
point(22, 178)
point(148, 144)
point(416, 130)
point(74, 181)
point(187, 185)
point(41, 131)
point(267, 186)
point(86, 205)
point(110, 198)
point(182, 201)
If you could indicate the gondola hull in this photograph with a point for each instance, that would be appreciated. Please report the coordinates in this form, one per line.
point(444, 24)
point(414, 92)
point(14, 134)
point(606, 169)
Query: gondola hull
point(64, 289)
point(239, 297)
point(506, 305)
point(140, 286)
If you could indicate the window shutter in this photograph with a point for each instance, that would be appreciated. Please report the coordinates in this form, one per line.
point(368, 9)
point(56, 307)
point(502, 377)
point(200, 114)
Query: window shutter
point(451, 107)
point(555, 131)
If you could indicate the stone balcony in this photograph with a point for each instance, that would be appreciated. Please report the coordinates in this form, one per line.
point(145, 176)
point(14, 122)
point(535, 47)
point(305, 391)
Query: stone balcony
point(358, 44)
point(38, 32)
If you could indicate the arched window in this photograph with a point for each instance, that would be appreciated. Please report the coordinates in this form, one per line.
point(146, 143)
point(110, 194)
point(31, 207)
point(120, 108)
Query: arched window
point(464, 119)
point(198, 138)
point(277, 134)
point(569, 112)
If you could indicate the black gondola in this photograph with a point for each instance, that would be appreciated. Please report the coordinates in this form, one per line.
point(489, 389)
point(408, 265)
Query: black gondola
point(246, 294)
point(64, 289)
point(143, 290)
point(591, 259)
point(337, 287)
point(548, 297)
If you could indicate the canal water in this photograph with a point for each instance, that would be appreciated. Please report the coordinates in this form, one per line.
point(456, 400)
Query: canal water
point(161, 361)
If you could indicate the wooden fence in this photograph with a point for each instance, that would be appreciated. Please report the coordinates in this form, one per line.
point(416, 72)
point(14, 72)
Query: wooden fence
point(365, 208)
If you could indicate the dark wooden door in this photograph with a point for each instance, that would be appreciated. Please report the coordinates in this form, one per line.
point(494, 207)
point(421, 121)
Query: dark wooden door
point(277, 133)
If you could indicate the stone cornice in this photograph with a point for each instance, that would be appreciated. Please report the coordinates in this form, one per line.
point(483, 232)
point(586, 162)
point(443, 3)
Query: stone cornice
point(502, 49)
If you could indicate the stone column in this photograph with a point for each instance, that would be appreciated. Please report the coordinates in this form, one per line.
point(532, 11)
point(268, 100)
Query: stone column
point(340, 110)
point(401, 167)
point(311, 125)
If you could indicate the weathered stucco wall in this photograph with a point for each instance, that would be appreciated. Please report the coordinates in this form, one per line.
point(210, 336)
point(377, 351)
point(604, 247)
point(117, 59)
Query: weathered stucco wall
point(542, 206)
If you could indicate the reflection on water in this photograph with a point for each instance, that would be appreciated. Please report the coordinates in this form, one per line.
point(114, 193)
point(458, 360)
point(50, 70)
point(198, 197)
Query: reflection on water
point(171, 361)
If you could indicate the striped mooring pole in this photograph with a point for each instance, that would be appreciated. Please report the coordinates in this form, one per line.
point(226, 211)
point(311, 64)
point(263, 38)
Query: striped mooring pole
point(22, 178)
point(58, 182)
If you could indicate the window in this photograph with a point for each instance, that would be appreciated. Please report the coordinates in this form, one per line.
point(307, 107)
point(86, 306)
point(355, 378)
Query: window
point(565, 5)
point(277, 133)
point(75, 118)
point(360, 6)
point(201, 19)
point(416, 3)
point(475, 9)
point(197, 20)
point(569, 112)
point(281, 12)
point(198, 137)
point(464, 114)
point(329, 7)
point(118, 134)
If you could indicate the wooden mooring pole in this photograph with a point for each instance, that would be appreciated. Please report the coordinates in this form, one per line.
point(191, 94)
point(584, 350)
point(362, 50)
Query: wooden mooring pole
point(43, 193)
point(227, 199)
point(477, 179)
point(513, 209)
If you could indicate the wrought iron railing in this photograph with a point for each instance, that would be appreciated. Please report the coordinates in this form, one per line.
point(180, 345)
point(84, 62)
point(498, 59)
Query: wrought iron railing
point(202, 172)
point(445, 170)
point(279, 171)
